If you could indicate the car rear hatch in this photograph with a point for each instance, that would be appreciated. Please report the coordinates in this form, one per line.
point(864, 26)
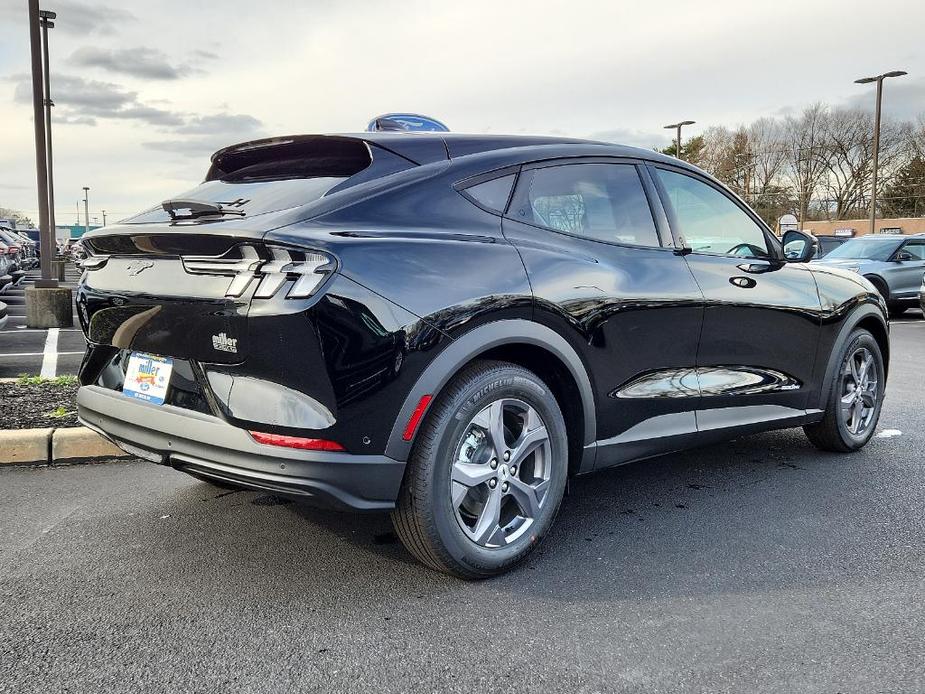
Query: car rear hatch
point(138, 293)
point(178, 279)
point(195, 279)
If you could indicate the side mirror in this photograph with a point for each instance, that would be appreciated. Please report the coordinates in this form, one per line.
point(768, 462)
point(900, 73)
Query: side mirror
point(904, 255)
point(799, 247)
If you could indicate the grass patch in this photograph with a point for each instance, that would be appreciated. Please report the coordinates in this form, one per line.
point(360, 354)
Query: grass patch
point(59, 412)
point(26, 380)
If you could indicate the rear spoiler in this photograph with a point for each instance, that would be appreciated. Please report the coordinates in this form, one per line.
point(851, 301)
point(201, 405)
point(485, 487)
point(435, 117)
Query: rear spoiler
point(337, 154)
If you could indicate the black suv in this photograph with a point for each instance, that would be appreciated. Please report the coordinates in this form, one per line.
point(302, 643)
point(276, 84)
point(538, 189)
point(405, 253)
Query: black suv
point(448, 326)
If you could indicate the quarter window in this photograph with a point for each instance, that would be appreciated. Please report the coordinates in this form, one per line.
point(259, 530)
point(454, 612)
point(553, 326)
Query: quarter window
point(709, 221)
point(603, 202)
point(492, 194)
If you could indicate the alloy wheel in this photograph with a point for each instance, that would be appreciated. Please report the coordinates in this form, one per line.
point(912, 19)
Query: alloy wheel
point(501, 473)
point(859, 391)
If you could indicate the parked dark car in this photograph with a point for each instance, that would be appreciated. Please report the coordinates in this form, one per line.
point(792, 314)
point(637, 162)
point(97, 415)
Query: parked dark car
point(893, 264)
point(827, 244)
point(824, 245)
point(448, 327)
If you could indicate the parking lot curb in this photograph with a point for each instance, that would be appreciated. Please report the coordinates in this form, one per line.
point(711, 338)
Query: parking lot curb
point(50, 446)
point(25, 445)
point(79, 442)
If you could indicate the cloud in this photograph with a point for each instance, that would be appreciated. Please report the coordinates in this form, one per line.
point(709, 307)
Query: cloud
point(75, 17)
point(903, 98)
point(633, 138)
point(206, 134)
point(142, 63)
point(205, 55)
point(81, 101)
point(222, 123)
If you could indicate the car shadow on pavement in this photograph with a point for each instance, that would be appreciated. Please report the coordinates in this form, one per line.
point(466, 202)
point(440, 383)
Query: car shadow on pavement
point(759, 510)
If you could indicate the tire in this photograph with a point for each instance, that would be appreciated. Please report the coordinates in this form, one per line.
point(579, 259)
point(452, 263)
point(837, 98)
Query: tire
point(880, 286)
point(835, 432)
point(447, 524)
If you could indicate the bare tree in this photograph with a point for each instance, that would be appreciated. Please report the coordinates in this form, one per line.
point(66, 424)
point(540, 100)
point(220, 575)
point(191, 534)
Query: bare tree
point(804, 145)
point(767, 155)
point(849, 159)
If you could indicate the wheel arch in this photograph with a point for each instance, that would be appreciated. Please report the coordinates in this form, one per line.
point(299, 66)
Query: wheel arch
point(880, 284)
point(870, 318)
point(528, 344)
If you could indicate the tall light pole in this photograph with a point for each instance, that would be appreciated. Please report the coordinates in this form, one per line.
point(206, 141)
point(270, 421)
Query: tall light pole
point(104, 217)
point(46, 18)
point(677, 127)
point(86, 209)
point(873, 191)
point(46, 234)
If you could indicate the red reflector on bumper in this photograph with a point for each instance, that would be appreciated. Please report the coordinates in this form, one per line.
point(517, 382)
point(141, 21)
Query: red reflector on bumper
point(415, 417)
point(296, 442)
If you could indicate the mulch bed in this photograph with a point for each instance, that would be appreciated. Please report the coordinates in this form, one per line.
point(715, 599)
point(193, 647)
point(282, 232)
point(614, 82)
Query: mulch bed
point(45, 404)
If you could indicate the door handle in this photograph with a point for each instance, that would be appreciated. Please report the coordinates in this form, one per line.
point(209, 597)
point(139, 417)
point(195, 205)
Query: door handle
point(743, 282)
point(757, 268)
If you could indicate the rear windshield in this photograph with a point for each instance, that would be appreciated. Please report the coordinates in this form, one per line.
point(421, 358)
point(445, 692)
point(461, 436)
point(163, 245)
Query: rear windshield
point(865, 249)
point(273, 175)
point(251, 198)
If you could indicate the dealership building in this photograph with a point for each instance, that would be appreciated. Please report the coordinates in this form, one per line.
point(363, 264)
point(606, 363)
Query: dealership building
point(859, 227)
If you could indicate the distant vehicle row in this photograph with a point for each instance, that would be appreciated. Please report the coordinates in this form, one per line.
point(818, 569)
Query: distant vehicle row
point(18, 254)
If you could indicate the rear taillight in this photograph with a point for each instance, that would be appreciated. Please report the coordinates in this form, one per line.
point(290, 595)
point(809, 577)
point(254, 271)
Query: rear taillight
point(299, 442)
point(305, 270)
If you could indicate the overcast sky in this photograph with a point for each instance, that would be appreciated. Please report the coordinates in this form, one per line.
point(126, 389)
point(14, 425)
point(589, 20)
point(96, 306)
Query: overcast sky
point(145, 91)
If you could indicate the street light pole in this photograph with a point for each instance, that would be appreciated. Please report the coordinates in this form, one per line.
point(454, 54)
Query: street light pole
point(104, 217)
point(873, 191)
point(46, 18)
point(86, 209)
point(41, 156)
point(677, 128)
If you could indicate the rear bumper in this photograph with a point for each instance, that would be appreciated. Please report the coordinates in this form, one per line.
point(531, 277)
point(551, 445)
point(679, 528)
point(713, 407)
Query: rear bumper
point(208, 447)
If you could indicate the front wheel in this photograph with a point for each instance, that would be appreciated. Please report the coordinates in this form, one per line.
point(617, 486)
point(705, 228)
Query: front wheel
point(487, 472)
point(855, 398)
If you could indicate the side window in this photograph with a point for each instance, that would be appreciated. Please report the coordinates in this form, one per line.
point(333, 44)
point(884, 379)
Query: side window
point(492, 194)
point(602, 202)
point(916, 249)
point(710, 222)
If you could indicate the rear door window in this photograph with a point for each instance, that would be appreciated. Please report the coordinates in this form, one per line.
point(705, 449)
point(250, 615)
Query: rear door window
point(597, 201)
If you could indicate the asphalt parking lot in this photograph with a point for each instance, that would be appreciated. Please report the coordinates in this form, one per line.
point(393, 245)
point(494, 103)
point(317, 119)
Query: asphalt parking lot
point(760, 565)
point(30, 351)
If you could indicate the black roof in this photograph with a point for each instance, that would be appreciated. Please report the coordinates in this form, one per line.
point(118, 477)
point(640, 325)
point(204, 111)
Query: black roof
point(426, 148)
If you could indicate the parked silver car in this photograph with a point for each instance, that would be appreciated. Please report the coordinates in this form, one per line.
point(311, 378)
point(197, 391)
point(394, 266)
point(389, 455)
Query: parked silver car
point(894, 265)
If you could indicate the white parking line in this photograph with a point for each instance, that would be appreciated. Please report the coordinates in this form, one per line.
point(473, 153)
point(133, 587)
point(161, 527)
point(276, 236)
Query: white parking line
point(24, 329)
point(37, 354)
point(50, 355)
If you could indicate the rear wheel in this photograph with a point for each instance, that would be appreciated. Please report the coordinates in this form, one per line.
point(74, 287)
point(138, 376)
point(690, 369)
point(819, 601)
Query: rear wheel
point(855, 397)
point(487, 472)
